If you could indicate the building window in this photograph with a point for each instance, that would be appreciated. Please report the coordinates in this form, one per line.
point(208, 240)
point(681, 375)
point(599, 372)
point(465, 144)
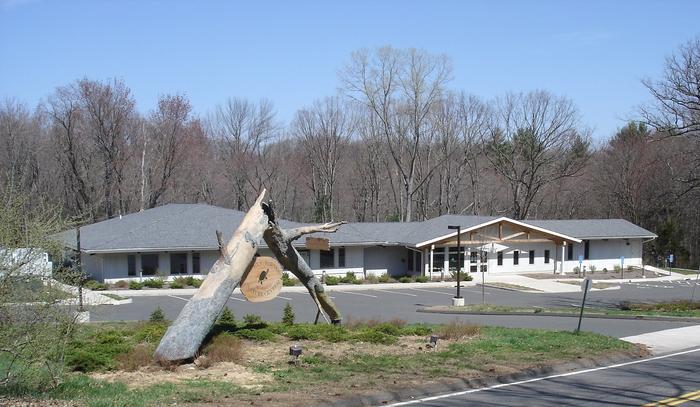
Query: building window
point(546, 257)
point(341, 257)
point(196, 264)
point(438, 261)
point(409, 256)
point(586, 249)
point(178, 263)
point(472, 257)
point(306, 256)
point(131, 261)
point(454, 252)
point(569, 252)
point(327, 258)
point(532, 257)
point(149, 264)
point(500, 258)
point(516, 257)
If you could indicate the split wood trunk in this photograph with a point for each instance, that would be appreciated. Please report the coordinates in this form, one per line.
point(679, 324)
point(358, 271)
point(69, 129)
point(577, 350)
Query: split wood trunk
point(184, 337)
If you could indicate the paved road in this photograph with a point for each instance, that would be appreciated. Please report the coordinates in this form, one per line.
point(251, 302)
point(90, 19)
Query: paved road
point(403, 302)
point(671, 379)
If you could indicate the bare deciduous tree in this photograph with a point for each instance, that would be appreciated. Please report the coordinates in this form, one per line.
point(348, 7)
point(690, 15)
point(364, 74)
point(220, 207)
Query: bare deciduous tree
point(535, 140)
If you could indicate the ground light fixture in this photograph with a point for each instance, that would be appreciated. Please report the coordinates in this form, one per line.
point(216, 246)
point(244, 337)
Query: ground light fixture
point(433, 341)
point(295, 351)
point(458, 300)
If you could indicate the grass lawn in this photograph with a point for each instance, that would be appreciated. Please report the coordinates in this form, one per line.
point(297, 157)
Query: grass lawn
point(111, 362)
point(666, 309)
point(684, 271)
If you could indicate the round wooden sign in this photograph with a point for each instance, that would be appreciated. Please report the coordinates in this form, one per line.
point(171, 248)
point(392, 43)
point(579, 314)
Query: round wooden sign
point(264, 280)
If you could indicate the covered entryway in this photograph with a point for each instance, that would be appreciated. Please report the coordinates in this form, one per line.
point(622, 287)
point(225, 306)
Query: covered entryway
point(501, 246)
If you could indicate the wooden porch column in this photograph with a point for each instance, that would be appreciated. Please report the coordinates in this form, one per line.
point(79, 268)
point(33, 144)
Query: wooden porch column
point(432, 248)
point(446, 262)
point(563, 254)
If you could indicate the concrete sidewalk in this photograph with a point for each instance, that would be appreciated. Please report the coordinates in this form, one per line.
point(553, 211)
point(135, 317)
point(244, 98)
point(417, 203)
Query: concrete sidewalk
point(669, 340)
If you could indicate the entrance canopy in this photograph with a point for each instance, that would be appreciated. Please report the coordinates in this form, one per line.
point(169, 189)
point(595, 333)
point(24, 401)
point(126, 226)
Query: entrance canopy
point(500, 230)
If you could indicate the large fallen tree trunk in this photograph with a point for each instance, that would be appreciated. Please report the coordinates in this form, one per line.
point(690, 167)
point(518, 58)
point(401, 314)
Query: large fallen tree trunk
point(280, 242)
point(184, 337)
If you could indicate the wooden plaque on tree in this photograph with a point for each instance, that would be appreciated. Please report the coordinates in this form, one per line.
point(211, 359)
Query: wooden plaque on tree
point(318, 243)
point(264, 280)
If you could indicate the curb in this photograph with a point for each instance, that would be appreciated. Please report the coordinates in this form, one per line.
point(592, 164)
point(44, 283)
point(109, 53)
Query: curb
point(561, 314)
point(459, 384)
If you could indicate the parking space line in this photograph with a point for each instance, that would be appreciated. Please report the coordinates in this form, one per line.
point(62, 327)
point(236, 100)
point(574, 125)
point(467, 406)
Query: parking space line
point(395, 292)
point(179, 298)
point(237, 299)
point(284, 298)
point(430, 291)
point(354, 293)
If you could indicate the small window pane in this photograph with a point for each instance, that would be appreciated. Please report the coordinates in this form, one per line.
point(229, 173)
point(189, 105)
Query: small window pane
point(516, 257)
point(149, 264)
point(546, 256)
point(341, 257)
point(131, 260)
point(195, 263)
point(532, 257)
point(327, 258)
point(500, 258)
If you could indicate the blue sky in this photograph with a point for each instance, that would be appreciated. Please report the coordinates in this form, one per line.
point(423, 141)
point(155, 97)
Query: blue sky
point(594, 52)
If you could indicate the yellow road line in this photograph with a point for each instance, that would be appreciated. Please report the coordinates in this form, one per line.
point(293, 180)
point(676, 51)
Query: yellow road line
point(675, 401)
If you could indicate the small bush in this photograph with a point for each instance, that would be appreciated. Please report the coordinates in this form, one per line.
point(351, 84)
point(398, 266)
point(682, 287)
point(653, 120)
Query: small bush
point(617, 268)
point(422, 279)
point(463, 276)
point(288, 281)
point(137, 357)
point(194, 282)
point(593, 268)
point(121, 284)
point(389, 329)
point(577, 270)
point(384, 278)
point(371, 279)
point(458, 330)
point(224, 348)
point(374, 336)
point(150, 332)
point(259, 335)
point(226, 318)
point(332, 280)
point(405, 279)
point(252, 319)
point(135, 285)
point(349, 278)
point(95, 285)
point(157, 315)
point(288, 315)
point(417, 330)
point(153, 283)
point(303, 331)
point(625, 305)
point(176, 285)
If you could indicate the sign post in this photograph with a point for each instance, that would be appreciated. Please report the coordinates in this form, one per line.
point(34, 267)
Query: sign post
point(622, 267)
point(585, 286)
point(580, 265)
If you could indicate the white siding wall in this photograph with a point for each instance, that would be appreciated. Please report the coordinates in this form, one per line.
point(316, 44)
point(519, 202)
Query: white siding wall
point(606, 254)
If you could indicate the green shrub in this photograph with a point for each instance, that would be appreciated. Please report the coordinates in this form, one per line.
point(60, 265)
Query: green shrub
point(405, 279)
point(97, 352)
point(617, 268)
point(150, 332)
point(153, 283)
point(195, 282)
point(252, 319)
point(95, 285)
point(422, 279)
point(418, 330)
point(226, 318)
point(288, 315)
point(135, 285)
point(176, 285)
point(332, 280)
point(262, 334)
point(303, 331)
point(374, 336)
point(388, 328)
point(384, 278)
point(577, 270)
point(157, 315)
point(349, 278)
point(593, 268)
point(288, 281)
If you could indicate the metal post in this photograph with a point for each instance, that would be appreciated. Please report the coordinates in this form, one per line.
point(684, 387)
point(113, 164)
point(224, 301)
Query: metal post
point(459, 257)
point(583, 304)
point(78, 266)
point(697, 277)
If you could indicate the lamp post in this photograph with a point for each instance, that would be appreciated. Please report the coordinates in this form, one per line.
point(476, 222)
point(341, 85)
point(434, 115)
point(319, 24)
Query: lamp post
point(458, 300)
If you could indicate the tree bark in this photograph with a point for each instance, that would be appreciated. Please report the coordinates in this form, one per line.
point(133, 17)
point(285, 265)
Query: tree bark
point(280, 242)
point(184, 337)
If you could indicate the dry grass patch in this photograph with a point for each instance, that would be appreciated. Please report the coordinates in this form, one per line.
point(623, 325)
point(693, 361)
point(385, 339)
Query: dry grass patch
point(458, 330)
point(224, 348)
point(139, 356)
point(352, 324)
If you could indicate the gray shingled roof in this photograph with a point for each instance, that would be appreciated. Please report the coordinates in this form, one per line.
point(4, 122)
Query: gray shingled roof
point(594, 228)
point(193, 226)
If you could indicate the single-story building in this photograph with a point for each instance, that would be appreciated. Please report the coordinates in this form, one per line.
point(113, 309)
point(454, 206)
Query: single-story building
point(180, 239)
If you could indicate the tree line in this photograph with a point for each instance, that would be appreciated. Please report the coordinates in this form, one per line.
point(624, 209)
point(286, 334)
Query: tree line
point(396, 143)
